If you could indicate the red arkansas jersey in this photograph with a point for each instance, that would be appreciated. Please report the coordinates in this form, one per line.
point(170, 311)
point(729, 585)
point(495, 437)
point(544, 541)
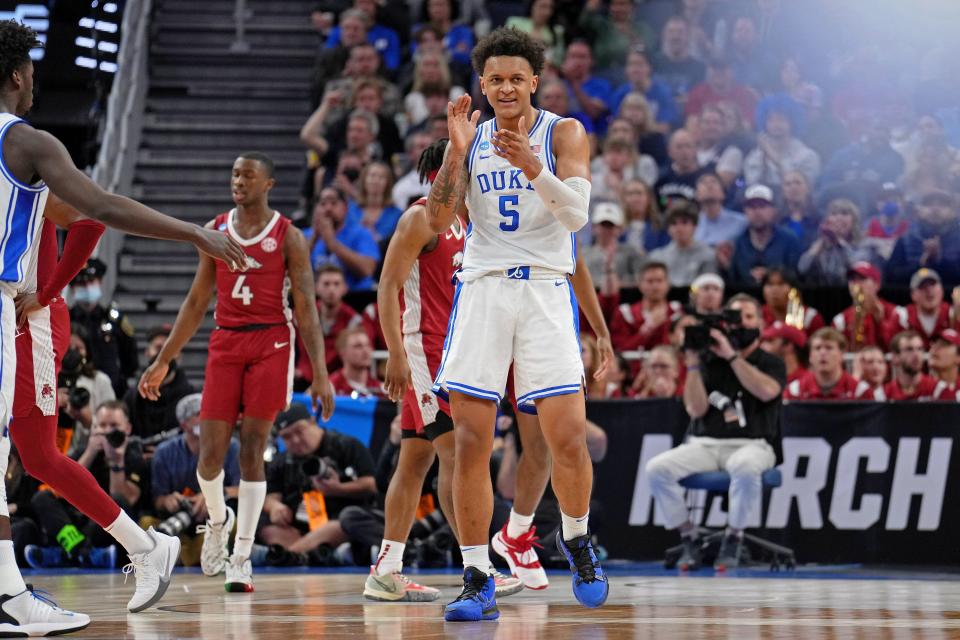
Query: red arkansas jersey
point(847, 388)
point(924, 391)
point(629, 321)
point(427, 295)
point(946, 392)
point(908, 317)
point(874, 332)
point(812, 320)
point(258, 295)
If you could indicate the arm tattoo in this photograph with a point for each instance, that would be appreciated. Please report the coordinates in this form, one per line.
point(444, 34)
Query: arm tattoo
point(446, 190)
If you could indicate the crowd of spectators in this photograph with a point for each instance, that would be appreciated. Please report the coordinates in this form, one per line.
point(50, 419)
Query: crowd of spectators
point(729, 154)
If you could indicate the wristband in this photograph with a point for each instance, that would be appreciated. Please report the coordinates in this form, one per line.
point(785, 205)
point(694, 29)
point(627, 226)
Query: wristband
point(694, 367)
point(117, 469)
point(735, 356)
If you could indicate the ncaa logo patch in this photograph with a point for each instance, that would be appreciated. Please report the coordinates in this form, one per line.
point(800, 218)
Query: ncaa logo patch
point(484, 145)
point(269, 245)
point(222, 227)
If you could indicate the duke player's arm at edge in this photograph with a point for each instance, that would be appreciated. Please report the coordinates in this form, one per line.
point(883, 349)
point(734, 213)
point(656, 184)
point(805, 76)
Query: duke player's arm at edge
point(297, 256)
point(412, 236)
point(191, 314)
point(448, 191)
point(586, 294)
point(39, 153)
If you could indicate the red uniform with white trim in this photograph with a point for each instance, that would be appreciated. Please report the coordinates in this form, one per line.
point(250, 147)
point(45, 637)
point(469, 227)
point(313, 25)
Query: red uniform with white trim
point(426, 301)
point(946, 392)
point(250, 360)
point(43, 339)
point(847, 388)
point(908, 317)
point(629, 321)
point(925, 389)
point(874, 332)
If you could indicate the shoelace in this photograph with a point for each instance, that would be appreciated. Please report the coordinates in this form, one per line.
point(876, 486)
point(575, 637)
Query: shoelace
point(472, 588)
point(586, 567)
point(524, 544)
point(43, 596)
point(131, 568)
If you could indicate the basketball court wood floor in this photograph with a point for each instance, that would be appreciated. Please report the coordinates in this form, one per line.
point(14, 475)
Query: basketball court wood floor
point(328, 605)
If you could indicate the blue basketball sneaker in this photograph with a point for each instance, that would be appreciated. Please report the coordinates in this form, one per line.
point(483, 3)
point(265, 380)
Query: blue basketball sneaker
point(590, 585)
point(477, 601)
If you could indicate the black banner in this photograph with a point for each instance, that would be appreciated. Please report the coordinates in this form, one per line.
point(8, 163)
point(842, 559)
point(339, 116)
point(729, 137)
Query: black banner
point(861, 482)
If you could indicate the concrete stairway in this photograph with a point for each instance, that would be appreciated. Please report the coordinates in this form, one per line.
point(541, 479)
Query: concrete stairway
point(206, 105)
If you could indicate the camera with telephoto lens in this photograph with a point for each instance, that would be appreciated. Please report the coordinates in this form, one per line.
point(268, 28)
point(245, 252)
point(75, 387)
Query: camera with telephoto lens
point(116, 438)
point(318, 468)
point(70, 370)
point(729, 322)
point(179, 521)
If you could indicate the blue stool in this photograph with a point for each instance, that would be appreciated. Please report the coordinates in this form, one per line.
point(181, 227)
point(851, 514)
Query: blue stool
point(719, 482)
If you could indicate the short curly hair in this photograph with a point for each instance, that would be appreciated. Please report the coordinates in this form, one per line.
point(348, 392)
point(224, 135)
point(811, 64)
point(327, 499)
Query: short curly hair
point(16, 41)
point(507, 41)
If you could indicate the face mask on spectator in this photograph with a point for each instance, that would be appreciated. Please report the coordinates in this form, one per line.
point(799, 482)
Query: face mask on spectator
point(90, 294)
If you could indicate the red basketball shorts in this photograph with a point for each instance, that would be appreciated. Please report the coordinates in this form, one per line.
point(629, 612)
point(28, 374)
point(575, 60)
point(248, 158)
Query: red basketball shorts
point(420, 405)
point(249, 372)
point(41, 344)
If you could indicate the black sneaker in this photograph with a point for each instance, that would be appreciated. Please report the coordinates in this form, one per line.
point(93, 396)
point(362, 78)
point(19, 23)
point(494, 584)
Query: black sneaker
point(729, 555)
point(692, 556)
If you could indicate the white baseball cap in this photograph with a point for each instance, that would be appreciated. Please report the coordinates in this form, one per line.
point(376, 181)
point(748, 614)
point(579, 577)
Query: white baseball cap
point(608, 212)
point(759, 192)
point(705, 279)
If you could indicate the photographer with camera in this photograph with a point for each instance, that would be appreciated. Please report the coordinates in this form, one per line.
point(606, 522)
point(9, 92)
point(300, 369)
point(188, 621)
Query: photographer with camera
point(115, 459)
point(322, 473)
point(177, 498)
point(732, 394)
point(80, 388)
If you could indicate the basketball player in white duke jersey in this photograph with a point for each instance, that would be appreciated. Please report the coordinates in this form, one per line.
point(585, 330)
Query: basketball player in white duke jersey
point(32, 163)
point(524, 179)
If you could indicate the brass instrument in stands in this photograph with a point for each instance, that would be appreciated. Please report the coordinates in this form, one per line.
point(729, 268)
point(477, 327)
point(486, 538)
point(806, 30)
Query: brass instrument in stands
point(796, 312)
point(859, 315)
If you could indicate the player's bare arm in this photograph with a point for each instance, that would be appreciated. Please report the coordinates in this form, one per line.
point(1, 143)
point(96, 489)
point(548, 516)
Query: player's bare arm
point(450, 185)
point(297, 256)
point(586, 295)
point(81, 241)
point(39, 153)
point(191, 315)
point(566, 194)
point(412, 236)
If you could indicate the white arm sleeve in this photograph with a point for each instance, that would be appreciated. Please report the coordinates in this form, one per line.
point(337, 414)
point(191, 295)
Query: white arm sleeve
point(566, 200)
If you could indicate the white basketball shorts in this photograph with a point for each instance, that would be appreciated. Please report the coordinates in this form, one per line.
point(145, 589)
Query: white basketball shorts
point(529, 320)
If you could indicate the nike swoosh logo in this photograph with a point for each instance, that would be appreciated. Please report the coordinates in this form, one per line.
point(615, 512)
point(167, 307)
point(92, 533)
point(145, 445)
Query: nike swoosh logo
point(483, 157)
point(280, 345)
point(558, 283)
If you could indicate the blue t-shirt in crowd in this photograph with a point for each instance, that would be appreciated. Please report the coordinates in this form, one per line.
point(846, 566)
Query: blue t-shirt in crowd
point(384, 39)
point(595, 87)
point(353, 236)
point(174, 467)
point(726, 228)
point(783, 250)
point(458, 42)
point(385, 224)
point(658, 95)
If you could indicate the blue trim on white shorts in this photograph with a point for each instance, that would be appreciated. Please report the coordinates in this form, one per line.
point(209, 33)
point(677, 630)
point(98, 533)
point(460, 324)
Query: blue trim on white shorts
point(476, 392)
point(561, 390)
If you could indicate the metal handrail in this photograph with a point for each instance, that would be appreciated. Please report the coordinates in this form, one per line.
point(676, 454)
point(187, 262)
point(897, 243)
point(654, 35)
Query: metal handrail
point(115, 160)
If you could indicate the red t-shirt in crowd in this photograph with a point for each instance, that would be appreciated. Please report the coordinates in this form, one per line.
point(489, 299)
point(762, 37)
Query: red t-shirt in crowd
point(343, 387)
point(812, 320)
point(924, 391)
point(847, 388)
point(873, 332)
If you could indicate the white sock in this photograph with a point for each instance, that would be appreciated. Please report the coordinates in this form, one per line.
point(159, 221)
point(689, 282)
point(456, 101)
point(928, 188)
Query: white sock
point(477, 557)
point(212, 491)
point(249, 506)
point(574, 527)
point(131, 537)
point(518, 524)
point(11, 582)
point(390, 559)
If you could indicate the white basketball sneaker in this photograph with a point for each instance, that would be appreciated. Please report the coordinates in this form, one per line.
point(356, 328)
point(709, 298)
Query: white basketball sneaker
point(152, 570)
point(216, 537)
point(32, 613)
point(239, 575)
point(521, 555)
